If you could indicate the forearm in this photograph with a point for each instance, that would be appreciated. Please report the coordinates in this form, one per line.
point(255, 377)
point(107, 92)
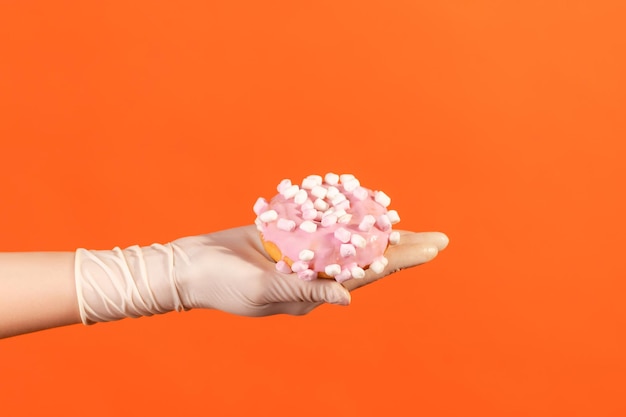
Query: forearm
point(37, 291)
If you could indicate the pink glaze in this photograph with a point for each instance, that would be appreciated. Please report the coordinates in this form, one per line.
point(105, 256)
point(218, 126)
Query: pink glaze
point(352, 204)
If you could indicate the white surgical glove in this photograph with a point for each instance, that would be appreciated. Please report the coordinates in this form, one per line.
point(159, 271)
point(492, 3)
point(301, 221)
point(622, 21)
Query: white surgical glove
point(226, 270)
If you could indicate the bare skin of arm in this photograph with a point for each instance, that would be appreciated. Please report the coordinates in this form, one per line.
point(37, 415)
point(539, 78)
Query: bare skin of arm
point(37, 292)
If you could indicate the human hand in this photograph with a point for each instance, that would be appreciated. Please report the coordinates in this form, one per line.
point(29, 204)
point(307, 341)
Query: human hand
point(230, 271)
point(227, 270)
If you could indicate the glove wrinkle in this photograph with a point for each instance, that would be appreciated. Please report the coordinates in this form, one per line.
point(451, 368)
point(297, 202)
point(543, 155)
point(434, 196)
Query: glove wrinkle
point(134, 282)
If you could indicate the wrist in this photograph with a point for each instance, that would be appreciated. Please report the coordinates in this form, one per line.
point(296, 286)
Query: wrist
point(196, 272)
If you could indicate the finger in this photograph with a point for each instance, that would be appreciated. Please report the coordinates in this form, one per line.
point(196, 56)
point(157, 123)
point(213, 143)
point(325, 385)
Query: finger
point(402, 256)
point(438, 239)
point(298, 308)
point(288, 288)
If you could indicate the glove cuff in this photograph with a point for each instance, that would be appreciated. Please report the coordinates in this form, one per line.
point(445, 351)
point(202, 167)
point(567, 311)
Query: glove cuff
point(134, 282)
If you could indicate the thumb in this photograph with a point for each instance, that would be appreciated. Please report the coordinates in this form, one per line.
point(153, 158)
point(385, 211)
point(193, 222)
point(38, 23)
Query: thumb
point(288, 288)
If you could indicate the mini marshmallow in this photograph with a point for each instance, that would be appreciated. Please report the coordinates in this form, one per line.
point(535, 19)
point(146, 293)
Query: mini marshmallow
point(367, 223)
point(343, 205)
point(360, 193)
point(299, 266)
point(306, 255)
point(358, 240)
point(329, 220)
point(345, 178)
point(328, 212)
point(260, 206)
point(285, 224)
point(308, 183)
point(309, 214)
point(319, 191)
point(382, 260)
point(383, 222)
point(308, 226)
point(284, 184)
point(268, 216)
point(357, 272)
point(290, 192)
point(332, 270)
point(345, 219)
point(382, 198)
point(317, 178)
point(337, 199)
point(394, 238)
point(344, 275)
point(282, 266)
point(393, 216)
point(307, 275)
point(300, 197)
point(377, 267)
point(343, 235)
point(339, 213)
point(259, 224)
point(308, 204)
point(331, 178)
point(350, 185)
point(332, 192)
point(321, 205)
point(346, 249)
point(318, 216)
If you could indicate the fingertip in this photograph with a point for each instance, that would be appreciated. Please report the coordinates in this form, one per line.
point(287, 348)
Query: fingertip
point(438, 239)
point(430, 252)
point(442, 241)
point(339, 296)
point(347, 297)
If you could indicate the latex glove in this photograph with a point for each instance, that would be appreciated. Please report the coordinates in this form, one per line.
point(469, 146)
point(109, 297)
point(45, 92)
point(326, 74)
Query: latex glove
point(227, 270)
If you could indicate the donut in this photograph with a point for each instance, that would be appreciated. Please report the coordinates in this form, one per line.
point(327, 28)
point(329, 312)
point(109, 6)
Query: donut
point(327, 227)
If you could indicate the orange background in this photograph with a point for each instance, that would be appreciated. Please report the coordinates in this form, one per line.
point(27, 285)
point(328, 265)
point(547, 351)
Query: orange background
point(499, 123)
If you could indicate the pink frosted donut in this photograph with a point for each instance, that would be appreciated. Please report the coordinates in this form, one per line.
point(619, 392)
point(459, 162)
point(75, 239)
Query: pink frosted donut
point(328, 227)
